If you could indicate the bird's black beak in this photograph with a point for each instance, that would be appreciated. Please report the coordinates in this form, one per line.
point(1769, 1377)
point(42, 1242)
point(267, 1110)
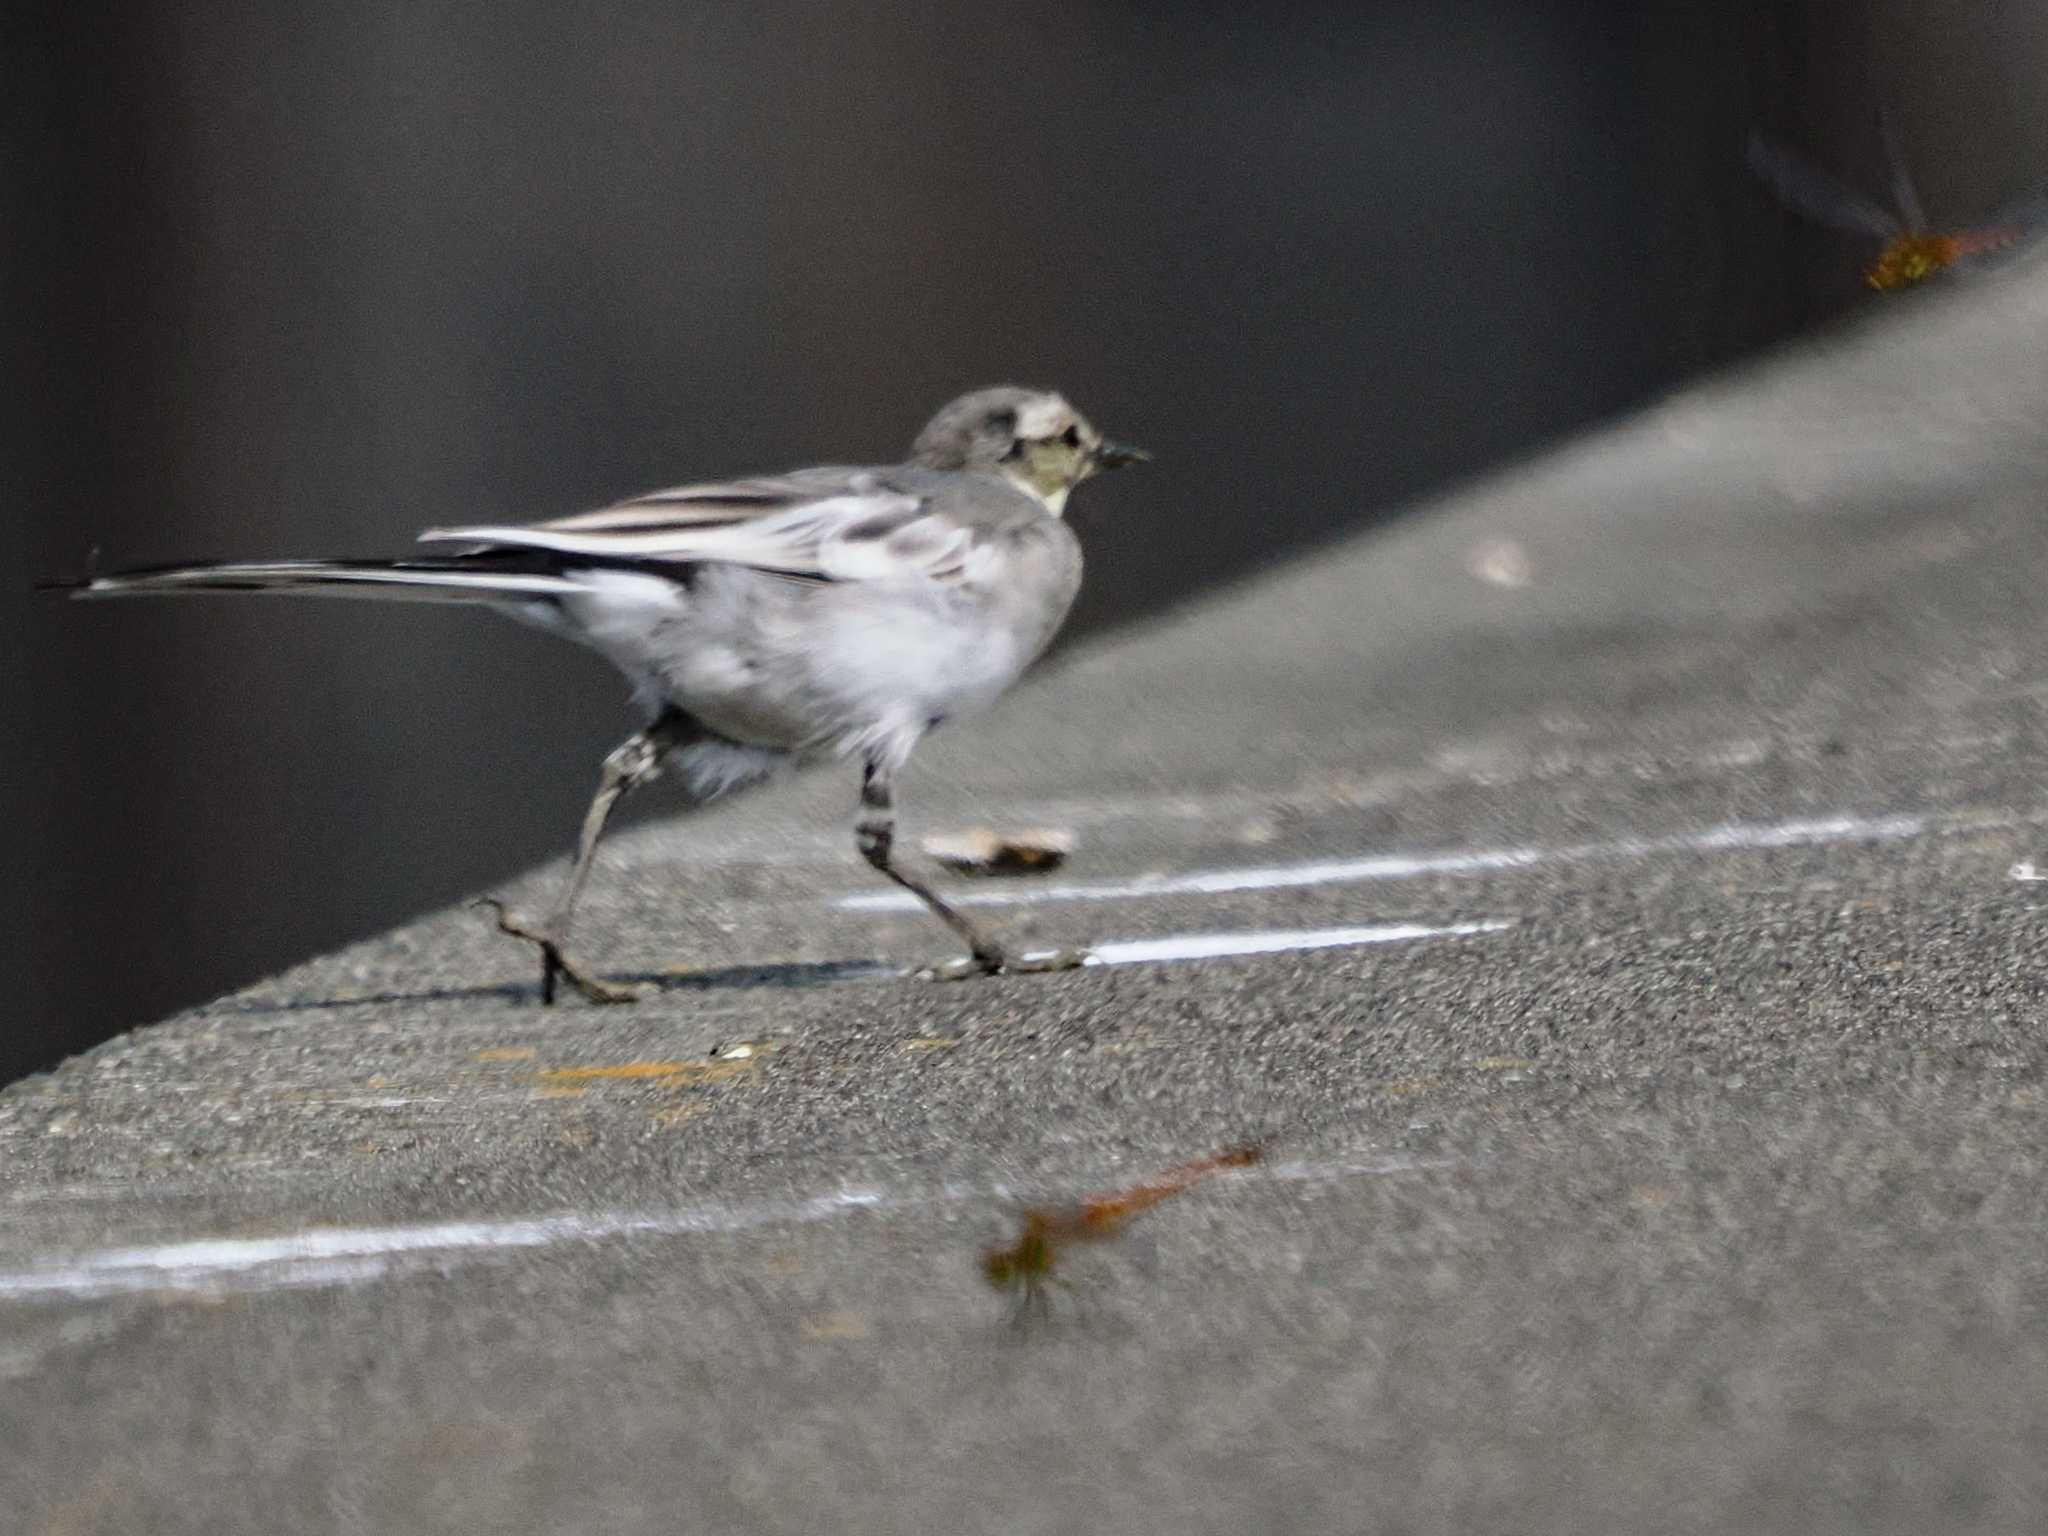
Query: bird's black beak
point(1110, 455)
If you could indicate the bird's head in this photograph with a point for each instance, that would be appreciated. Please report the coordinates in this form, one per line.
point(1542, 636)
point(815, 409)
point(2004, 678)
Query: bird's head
point(1031, 437)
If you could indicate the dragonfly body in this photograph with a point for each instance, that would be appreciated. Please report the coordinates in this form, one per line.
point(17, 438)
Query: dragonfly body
point(1910, 252)
point(1913, 258)
point(1027, 1265)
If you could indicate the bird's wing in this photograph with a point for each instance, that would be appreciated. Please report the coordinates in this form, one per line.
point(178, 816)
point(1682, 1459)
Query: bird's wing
point(1808, 190)
point(833, 525)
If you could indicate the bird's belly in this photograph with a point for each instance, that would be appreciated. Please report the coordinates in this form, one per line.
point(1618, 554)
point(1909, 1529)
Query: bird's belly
point(935, 662)
point(846, 672)
point(732, 692)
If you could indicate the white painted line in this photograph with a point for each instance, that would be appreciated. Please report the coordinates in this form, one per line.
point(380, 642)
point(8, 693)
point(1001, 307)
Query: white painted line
point(1727, 838)
point(327, 1256)
point(1209, 946)
point(1301, 1170)
point(338, 1256)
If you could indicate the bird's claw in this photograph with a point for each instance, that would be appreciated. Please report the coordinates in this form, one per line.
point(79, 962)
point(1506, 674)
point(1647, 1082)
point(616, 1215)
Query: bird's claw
point(1047, 960)
point(555, 964)
point(997, 963)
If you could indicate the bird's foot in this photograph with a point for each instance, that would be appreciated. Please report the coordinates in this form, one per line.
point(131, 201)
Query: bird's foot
point(994, 962)
point(1045, 960)
point(555, 965)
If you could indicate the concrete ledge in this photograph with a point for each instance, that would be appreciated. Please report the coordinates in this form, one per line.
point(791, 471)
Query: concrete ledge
point(1611, 895)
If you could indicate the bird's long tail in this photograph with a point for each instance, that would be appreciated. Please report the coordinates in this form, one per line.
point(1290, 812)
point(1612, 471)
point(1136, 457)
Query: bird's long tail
point(466, 580)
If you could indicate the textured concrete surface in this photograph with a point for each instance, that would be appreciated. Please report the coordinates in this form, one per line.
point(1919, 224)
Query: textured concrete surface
point(1693, 1184)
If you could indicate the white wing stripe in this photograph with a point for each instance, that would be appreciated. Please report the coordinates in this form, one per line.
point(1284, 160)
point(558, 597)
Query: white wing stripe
point(642, 514)
point(813, 536)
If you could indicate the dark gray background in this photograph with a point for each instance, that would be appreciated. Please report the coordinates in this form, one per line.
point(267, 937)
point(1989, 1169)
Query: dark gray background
point(286, 282)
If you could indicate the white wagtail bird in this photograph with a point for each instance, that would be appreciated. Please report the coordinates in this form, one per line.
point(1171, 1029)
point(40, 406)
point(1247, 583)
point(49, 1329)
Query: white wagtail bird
point(826, 612)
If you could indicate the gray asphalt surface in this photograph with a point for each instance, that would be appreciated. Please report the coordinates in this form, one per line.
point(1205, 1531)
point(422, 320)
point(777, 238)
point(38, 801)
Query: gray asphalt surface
point(1697, 1187)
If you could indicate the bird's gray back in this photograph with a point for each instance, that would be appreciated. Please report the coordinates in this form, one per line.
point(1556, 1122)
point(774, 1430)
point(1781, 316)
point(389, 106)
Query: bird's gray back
point(800, 666)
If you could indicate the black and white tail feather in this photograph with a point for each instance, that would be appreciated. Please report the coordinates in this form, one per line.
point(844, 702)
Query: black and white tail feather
point(433, 581)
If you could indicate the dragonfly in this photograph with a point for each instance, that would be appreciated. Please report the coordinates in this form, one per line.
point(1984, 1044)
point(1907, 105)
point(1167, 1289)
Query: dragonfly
point(1026, 1266)
point(1909, 252)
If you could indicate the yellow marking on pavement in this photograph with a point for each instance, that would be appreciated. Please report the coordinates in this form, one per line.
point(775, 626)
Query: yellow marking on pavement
point(675, 1072)
point(1403, 1086)
point(835, 1325)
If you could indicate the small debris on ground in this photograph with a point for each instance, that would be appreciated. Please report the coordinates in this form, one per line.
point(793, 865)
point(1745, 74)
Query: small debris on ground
point(984, 851)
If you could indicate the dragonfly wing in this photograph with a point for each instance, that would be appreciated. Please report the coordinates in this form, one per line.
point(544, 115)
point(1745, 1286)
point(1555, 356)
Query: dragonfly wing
point(1904, 195)
point(1808, 190)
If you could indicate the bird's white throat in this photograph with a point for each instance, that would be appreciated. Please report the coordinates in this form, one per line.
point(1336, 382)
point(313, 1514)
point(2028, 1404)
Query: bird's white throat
point(1054, 500)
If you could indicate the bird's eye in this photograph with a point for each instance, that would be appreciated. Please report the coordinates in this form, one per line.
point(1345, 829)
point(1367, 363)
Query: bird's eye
point(1071, 437)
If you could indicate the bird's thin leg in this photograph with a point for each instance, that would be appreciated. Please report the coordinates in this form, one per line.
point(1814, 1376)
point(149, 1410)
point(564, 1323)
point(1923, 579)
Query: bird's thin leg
point(632, 763)
point(876, 834)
